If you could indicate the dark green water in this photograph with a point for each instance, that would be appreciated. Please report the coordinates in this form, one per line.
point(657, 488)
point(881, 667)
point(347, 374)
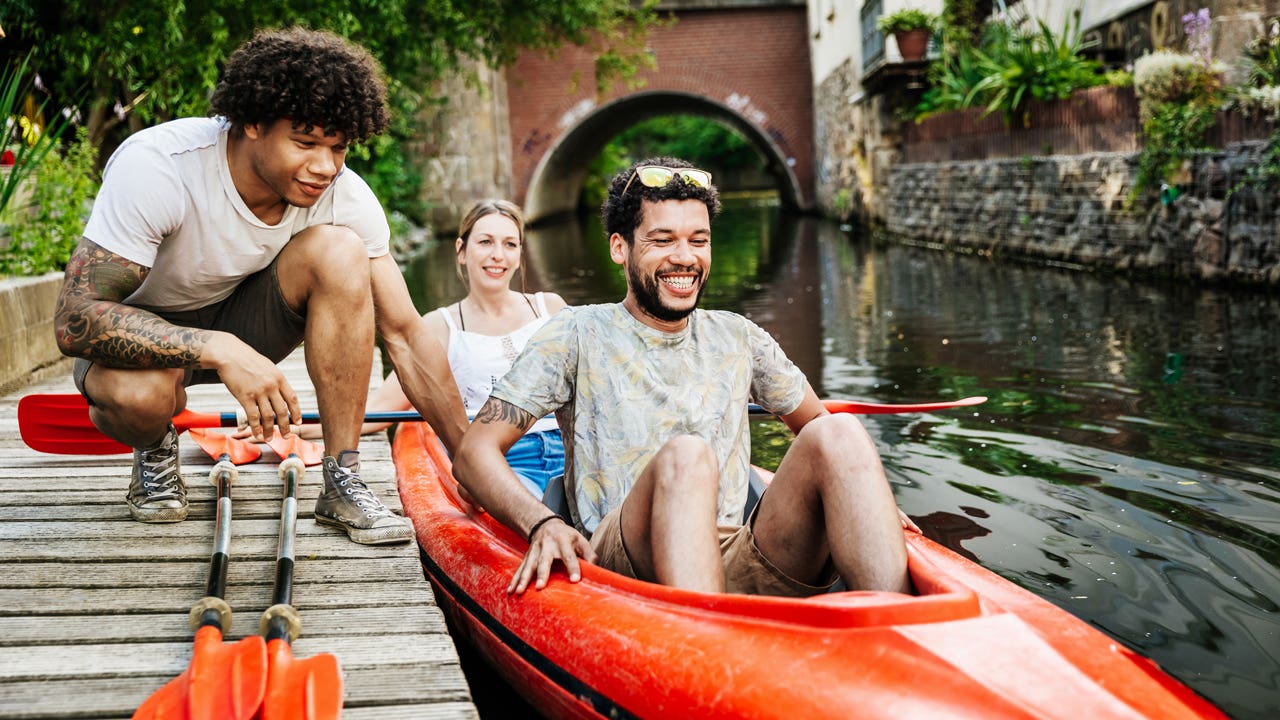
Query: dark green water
point(1126, 468)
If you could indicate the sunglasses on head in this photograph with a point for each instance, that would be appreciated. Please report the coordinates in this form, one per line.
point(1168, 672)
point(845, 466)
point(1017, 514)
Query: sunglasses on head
point(656, 176)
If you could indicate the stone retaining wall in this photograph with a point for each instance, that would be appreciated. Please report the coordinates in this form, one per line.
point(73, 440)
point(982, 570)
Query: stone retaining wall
point(1072, 209)
point(27, 348)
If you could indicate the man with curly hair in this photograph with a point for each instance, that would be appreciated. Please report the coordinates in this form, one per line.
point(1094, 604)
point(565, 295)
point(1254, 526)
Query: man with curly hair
point(651, 394)
point(217, 244)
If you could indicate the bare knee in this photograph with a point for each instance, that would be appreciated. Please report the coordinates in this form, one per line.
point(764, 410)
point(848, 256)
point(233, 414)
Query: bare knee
point(686, 463)
point(325, 259)
point(838, 441)
point(139, 398)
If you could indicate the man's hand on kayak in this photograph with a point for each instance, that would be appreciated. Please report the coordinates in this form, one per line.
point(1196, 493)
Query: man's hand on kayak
point(554, 540)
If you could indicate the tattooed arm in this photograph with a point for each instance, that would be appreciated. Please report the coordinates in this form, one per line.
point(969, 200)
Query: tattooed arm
point(91, 321)
point(482, 469)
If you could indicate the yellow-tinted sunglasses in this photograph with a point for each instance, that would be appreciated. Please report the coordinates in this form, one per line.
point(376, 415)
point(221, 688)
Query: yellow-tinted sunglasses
point(656, 176)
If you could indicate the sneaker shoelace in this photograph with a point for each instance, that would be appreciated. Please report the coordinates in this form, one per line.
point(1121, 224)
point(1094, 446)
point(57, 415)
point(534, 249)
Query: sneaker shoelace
point(159, 472)
point(353, 487)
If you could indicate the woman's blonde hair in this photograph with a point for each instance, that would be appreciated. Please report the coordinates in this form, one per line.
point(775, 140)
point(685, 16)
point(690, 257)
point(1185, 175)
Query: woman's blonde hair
point(481, 209)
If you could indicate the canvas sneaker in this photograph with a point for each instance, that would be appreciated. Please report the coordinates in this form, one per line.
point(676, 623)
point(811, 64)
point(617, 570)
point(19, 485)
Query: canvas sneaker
point(156, 491)
point(349, 504)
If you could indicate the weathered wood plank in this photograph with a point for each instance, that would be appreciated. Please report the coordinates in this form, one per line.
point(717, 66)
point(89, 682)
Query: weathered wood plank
point(414, 618)
point(337, 546)
point(428, 691)
point(97, 573)
point(119, 601)
point(126, 660)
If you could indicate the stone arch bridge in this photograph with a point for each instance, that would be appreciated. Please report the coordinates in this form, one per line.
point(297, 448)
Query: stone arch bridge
point(741, 62)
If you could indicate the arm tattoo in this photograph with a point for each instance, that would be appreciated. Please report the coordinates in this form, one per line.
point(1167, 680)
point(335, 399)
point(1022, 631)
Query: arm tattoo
point(495, 410)
point(91, 321)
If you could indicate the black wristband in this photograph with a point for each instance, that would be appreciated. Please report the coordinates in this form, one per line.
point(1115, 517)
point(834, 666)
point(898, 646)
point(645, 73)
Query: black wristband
point(538, 525)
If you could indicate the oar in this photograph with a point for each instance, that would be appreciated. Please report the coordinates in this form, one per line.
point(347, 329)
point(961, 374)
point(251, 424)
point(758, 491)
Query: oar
point(867, 408)
point(297, 689)
point(60, 423)
point(292, 444)
point(224, 681)
point(218, 444)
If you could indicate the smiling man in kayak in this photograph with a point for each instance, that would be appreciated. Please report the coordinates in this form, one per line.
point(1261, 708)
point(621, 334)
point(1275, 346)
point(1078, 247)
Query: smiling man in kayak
point(217, 244)
point(651, 394)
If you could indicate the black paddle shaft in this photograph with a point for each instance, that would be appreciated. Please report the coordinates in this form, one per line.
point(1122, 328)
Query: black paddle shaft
point(282, 594)
point(218, 561)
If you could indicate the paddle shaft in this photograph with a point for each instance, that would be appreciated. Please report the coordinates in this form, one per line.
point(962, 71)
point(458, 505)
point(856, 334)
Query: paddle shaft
point(221, 556)
point(281, 621)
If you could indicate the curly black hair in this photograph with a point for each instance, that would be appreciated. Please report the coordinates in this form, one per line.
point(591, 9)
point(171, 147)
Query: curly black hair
point(621, 213)
point(313, 77)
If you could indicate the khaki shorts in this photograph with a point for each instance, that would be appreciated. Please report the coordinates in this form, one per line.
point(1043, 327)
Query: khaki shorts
point(745, 569)
point(255, 312)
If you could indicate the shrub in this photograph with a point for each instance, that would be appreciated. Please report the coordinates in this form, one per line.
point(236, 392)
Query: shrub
point(43, 233)
point(1166, 76)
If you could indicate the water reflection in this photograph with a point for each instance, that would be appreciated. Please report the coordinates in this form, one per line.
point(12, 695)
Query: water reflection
point(1127, 467)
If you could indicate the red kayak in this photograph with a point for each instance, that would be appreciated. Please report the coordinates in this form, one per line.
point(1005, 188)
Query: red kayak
point(969, 645)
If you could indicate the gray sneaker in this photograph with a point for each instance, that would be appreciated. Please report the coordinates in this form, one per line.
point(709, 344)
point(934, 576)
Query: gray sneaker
point(156, 491)
point(349, 504)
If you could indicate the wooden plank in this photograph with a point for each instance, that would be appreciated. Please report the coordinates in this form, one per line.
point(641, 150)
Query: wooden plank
point(72, 601)
point(430, 691)
point(335, 546)
point(97, 573)
point(126, 660)
point(317, 622)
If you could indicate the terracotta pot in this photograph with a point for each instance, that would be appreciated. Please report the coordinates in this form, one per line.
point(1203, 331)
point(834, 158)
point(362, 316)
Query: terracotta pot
point(912, 44)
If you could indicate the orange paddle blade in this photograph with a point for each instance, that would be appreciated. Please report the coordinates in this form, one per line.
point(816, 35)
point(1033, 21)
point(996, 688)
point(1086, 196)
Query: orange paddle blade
point(291, 444)
point(301, 689)
point(217, 443)
point(224, 681)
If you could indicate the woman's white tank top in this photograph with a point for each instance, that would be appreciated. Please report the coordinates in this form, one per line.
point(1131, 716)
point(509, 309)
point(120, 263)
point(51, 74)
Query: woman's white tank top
point(479, 360)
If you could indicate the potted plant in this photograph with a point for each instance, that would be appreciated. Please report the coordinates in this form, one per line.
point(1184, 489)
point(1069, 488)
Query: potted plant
point(911, 29)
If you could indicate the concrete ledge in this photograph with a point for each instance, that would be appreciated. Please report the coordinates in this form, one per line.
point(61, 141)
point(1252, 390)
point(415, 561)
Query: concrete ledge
point(27, 347)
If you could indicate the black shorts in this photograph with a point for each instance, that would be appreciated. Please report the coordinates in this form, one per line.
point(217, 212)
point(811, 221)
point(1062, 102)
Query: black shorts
point(255, 312)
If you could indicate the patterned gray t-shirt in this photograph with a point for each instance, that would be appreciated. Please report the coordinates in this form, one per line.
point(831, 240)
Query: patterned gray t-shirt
point(621, 389)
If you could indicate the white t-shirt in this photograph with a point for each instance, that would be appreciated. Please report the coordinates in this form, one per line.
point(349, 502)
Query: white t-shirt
point(168, 203)
point(621, 389)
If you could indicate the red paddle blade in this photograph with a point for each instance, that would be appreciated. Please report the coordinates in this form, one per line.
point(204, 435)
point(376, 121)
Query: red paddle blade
point(310, 453)
point(216, 444)
point(224, 681)
point(301, 689)
point(60, 424)
point(864, 408)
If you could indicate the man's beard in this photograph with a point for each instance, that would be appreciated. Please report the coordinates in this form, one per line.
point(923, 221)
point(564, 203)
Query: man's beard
point(646, 292)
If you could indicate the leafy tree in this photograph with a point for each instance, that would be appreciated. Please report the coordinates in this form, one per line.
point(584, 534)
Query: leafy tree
point(140, 62)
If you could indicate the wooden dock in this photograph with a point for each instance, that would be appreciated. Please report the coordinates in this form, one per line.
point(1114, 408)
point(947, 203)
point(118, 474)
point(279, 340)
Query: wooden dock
point(93, 606)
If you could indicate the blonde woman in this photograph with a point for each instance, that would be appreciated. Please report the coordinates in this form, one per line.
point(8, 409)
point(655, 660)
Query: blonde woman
point(485, 330)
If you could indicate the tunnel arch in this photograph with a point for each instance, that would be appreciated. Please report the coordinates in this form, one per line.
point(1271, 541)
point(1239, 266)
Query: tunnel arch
point(557, 179)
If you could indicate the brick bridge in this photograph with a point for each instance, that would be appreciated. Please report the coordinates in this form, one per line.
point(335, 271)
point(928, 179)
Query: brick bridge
point(744, 63)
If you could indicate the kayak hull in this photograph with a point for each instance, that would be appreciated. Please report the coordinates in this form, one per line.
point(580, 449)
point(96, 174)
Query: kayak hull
point(969, 645)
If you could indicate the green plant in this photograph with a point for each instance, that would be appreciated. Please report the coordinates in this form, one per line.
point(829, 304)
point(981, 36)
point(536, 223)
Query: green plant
point(1009, 68)
point(1262, 57)
point(43, 233)
point(906, 20)
point(26, 139)
point(1035, 65)
point(1179, 95)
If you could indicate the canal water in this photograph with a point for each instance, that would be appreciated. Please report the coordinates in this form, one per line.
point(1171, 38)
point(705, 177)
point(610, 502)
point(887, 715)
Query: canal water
point(1126, 467)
